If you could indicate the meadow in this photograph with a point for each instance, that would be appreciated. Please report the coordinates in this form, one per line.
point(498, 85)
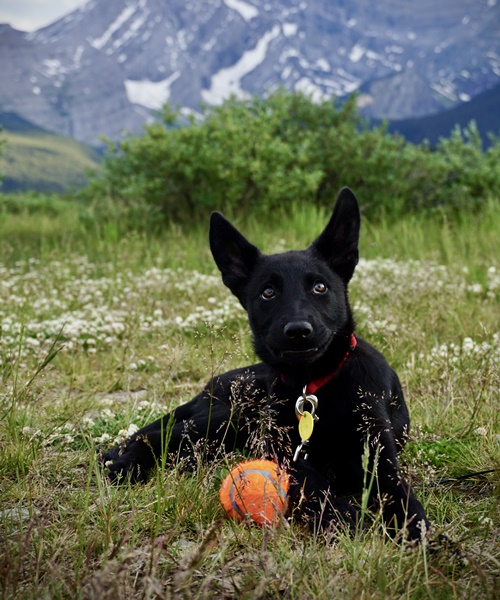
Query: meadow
point(103, 328)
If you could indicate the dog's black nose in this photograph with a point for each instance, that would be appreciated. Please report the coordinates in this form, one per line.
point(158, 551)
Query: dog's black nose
point(298, 329)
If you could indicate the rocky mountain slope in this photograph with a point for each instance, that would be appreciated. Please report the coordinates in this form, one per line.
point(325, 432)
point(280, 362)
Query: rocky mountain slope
point(108, 65)
point(483, 109)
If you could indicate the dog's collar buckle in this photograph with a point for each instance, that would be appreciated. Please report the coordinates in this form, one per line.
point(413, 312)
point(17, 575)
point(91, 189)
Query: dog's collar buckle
point(302, 399)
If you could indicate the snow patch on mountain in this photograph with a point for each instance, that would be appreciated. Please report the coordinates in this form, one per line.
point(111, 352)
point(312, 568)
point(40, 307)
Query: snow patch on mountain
point(247, 11)
point(290, 29)
point(226, 82)
point(356, 54)
point(306, 86)
point(150, 94)
point(53, 67)
point(131, 31)
point(123, 17)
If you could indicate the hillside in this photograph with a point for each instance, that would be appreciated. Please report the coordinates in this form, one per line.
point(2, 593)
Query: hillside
point(35, 159)
point(483, 109)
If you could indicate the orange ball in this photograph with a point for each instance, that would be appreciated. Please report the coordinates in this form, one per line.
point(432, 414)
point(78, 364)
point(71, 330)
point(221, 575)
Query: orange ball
point(257, 489)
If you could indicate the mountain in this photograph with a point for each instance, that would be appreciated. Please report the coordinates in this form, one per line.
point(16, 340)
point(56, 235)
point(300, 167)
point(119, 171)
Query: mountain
point(108, 66)
point(483, 109)
point(13, 123)
point(35, 159)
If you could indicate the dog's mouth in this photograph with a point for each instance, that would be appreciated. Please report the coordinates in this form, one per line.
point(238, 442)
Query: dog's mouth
point(299, 353)
point(294, 355)
point(309, 353)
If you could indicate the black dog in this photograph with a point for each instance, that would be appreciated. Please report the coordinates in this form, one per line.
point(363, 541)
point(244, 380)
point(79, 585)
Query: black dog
point(303, 331)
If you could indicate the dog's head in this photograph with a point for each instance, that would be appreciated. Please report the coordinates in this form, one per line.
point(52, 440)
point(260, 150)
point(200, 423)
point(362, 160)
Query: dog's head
point(296, 301)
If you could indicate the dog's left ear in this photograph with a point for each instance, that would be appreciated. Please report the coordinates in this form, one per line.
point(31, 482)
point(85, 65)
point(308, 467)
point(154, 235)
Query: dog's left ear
point(338, 244)
point(235, 256)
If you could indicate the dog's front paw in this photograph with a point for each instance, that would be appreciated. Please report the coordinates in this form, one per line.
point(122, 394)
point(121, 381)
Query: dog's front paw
point(317, 503)
point(124, 464)
point(417, 531)
point(343, 509)
point(329, 514)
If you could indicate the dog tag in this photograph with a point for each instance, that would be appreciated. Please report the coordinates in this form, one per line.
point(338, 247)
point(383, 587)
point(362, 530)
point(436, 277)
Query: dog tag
point(306, 425)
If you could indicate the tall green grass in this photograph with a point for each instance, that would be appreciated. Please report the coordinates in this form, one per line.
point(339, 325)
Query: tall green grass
point(43, 227)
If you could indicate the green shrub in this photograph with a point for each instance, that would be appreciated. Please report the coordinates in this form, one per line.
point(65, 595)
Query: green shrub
point(262, 154)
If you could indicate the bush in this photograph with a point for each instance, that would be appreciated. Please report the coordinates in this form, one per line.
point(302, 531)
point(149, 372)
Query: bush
point(262, 154)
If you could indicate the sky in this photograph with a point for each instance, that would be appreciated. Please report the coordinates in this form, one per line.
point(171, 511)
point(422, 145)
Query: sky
point(29, 15)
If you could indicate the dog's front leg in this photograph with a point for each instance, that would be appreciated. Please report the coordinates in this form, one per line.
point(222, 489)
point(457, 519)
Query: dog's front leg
point(400, 508)
point(315, 501)
point(191, 431)
point(135, 457)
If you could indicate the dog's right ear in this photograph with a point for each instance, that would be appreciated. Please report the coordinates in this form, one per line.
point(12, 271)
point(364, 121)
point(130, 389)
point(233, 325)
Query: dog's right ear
point(235, 256)
point(338, 244)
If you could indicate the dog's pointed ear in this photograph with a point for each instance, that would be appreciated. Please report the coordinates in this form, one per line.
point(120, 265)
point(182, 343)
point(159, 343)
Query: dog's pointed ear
point(338, 244)
point(235, 256)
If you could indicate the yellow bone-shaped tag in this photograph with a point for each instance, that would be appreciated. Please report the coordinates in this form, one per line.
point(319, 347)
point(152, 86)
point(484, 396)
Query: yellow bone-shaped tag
point(306, 425)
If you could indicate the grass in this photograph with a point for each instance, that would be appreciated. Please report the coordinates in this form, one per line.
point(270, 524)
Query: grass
point(104, 328)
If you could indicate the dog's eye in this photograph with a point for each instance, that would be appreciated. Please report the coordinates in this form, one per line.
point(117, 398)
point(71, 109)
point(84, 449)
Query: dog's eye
point(319, 288)
point(268, 294)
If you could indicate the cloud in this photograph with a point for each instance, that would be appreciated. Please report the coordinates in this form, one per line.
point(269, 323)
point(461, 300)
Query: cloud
point(29, 15)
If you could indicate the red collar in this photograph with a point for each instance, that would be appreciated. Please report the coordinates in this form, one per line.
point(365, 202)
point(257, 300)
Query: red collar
point(314, 386)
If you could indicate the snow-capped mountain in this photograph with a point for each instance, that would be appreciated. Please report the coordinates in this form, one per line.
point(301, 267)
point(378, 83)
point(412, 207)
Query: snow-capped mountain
point(106, 66)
